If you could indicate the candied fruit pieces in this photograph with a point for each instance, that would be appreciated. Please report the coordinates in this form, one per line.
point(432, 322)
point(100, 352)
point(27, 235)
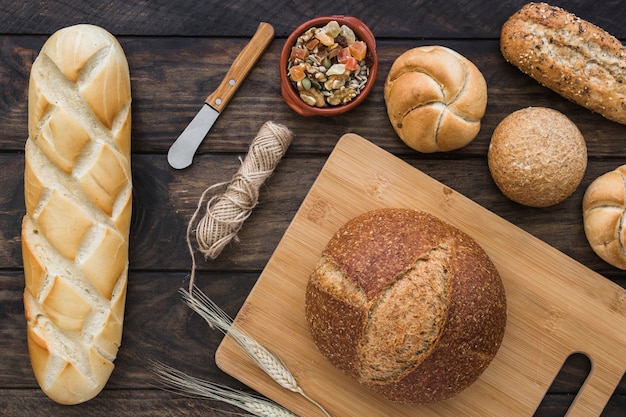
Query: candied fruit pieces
point(297, 54)
point(351, 64)
point(296, 73)
point(325, 38)
point(344, 54)
point(332, 28)
point(358, 49)
point(328, 65)
point(348, 33)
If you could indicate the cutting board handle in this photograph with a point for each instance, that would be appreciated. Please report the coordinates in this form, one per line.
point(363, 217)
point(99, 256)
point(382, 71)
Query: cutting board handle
point(596, 391)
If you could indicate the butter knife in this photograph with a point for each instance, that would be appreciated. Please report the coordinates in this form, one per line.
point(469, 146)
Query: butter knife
point(182, 151)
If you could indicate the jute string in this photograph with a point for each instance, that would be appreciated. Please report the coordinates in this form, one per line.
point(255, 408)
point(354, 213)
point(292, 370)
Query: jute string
point(228, 204)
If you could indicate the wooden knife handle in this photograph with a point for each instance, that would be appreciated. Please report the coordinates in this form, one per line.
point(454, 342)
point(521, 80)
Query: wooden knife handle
point(240, 68)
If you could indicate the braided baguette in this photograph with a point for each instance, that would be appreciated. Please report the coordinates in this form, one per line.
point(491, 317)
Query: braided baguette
point(571, 56)
point(77, 184)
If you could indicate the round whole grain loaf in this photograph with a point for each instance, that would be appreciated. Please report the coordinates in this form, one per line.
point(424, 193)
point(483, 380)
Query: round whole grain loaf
point(537, 156)
point(407, 305)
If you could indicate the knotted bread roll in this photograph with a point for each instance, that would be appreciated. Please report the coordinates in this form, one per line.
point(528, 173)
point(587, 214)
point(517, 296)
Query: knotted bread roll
point(435, 99)
point(77, 184)
point(604, 214)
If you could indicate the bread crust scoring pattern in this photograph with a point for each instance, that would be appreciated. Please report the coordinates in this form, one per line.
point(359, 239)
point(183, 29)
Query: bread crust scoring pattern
point(604, 215)
point(407, 305)
point(78, 196)
point(435, 99)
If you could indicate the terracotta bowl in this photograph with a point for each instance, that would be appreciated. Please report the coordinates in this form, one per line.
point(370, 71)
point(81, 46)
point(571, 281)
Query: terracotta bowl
point(288, 91)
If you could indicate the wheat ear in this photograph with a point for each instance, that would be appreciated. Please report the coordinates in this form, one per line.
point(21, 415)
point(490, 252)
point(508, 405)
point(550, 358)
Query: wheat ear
point(190, 386)
point(268, 362)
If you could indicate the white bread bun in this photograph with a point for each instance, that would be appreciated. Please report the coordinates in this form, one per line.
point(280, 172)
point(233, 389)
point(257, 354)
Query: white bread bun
point(77, 186)
point(407, 305)
point(435, 99)
point(537, 156)
point(604, 214)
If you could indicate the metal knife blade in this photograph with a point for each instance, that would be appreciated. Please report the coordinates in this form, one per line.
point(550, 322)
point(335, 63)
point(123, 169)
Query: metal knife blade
point(182, 151)
point(184, 148)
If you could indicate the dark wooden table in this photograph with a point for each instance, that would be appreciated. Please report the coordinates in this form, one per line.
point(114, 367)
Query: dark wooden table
point(178, 51)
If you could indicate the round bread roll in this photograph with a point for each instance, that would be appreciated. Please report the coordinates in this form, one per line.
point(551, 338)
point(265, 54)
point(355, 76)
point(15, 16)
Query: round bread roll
point(435, 99)
point(407, 305)
point(604, 213)
point(537, 156)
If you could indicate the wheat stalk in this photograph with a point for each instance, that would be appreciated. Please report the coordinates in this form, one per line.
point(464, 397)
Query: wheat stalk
point(268, 362)
point(190, 386)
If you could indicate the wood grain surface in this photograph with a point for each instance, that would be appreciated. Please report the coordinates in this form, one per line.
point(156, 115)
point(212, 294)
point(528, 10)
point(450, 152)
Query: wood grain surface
point(556, 306)
point(178, 52)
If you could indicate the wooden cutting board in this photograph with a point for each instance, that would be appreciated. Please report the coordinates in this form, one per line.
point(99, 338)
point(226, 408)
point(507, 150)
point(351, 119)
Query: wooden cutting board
point(556, 305)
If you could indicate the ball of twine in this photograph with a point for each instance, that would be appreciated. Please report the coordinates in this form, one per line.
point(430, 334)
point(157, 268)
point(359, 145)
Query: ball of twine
point(228, 204)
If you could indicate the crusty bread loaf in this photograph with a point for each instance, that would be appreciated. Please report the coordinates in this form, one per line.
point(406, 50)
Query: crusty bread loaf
point(435, 99)
point(569, 55)
point(604, 215)
point(537, 156)
point(406, 304)
point(77, 184)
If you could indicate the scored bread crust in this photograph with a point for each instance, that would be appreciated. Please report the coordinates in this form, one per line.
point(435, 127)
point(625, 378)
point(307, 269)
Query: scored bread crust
point(406, 304)
point(435, 99)
point(569, 55)
point(78, 198)
point(604, 216)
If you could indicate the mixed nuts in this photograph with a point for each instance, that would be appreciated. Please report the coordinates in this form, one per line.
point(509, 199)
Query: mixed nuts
point(329, 66)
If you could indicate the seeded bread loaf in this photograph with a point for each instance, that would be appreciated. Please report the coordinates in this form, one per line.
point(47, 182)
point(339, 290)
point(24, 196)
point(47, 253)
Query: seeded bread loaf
point(77, 184)
point(569, 55)
point(406, 304)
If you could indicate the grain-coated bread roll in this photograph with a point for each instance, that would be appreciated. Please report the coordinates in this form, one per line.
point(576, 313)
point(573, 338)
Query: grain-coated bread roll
point(406, 304)
point(435, 99)
point(77, 184)
point(537, 156)
point(569, 55)
point(604, 216)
